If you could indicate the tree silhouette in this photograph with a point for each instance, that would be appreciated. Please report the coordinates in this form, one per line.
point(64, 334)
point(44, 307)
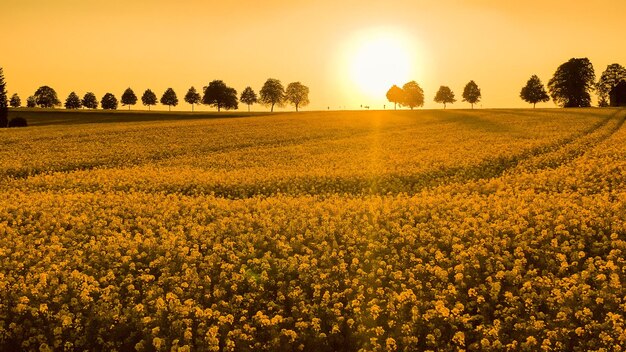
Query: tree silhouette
point(31, 102)
point(413, 95)
point(395, 95)
point(73, 101)
point(109, 102)
point(46, 97)
point(248, 97)
point(272, 93)
point(15, 101)
point(219, 95)
point(471, 93)
point(4, 108)
point(611, 77)
point(148, 98)
point(192, 97)
point(297, 94)
point(444, 96)
point(90, 101)
point(572, 82)
point(169, 98)
point(129, 98)
point(534, 92)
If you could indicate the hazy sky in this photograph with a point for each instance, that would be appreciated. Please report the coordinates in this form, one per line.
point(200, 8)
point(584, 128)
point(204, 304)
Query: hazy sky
point(107, 46)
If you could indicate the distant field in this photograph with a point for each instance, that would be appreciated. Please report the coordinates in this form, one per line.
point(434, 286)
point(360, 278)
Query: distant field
point(320, 231)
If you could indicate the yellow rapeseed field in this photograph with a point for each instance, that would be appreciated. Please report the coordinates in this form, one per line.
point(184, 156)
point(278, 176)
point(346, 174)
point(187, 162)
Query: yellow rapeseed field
point(494, 230)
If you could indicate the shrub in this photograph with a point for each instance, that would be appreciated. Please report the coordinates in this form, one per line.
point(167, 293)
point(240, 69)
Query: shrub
point(18, 122)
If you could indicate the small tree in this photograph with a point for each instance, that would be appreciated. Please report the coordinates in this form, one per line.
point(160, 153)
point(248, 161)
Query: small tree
point(413, 95)
point(73, 101)
point(31, 102)
point(272, 93)
point(610, 78)
point(15, 101)
point(148, 98)
point(4, 108)
point(129, 98)
point(471, 93)
point(395, 95)
point(169, 98)
point(444, 96)
point(90, 101)
point(109, 102)
point(572, 82)
point(219, 95)
point(46, 97)
point(192, 97)
point(248, 97)
point(534, 92)
point(297, 94)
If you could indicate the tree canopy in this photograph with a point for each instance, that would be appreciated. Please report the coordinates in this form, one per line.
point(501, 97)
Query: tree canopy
point(572, 82)
point(444, 96)
point(73, 101)
point(15, 101)
point(31, 102)
point(46, 97)
point(169, 98)
point(4, 108)
point(534, 92)
point(248, 97)
point(129, 98)
point(471, 93)
point(148, 98)
point(109, 102)
point(413, 95)
point(90, 101)
point(610, 78)
point(221, 96)
point(272, 93)
point(192, 97)
point(395, 95)
point(297, 94)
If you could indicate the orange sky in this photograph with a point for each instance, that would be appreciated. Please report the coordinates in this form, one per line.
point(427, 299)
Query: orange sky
point(107, 46)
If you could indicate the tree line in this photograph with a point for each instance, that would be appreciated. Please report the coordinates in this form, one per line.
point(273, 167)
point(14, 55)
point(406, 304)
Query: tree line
point(216, 94)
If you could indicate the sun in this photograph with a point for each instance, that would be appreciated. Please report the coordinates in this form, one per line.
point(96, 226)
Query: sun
point(379, 59)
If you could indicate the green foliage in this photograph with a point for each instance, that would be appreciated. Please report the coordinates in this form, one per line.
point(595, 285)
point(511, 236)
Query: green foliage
point(169, 98)
point(129, 98)
point(248, 97)
point(109, 102)
point(534, 92)
point(46, 97)
point(73, 101)
point(572, 82)
point(413, 95)
point(444, 96)
point(192, 97)
point(219, 95)
point(297, 94)
point(471, 93)
point(90, 101)
point(395, 95)
point(272, 93)
point(15, 101)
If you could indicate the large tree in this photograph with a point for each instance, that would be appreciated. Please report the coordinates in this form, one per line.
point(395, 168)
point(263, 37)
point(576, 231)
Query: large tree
point(609, 79)
point(148, 98)
point(129, 98)
point(395, 95)
point(413, 95)
point(73, 101)
point(534, 92)
point(445, 96)
point(31, 102)
point(90, 101)
point(248, 97)
point(15, 101)
point(471, 93)
point(221, 96)
point(272, 93)
point(4, 107)
point(572, 82)
point(46, 97)
point(192, 97)
point(109, 102)
point(297, 94)
point(169, 98)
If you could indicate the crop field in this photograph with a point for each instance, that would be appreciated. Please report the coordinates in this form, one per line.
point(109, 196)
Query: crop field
point(485, 230)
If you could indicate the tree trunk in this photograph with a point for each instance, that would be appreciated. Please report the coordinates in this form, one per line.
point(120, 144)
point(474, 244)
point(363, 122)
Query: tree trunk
point(296, 107)
point(218, 107)
point(248, 107)
point(444, 106)
point(169, 107)
point(394, 106)
point(272, 110)
point(534, 105)
point(191, 107)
